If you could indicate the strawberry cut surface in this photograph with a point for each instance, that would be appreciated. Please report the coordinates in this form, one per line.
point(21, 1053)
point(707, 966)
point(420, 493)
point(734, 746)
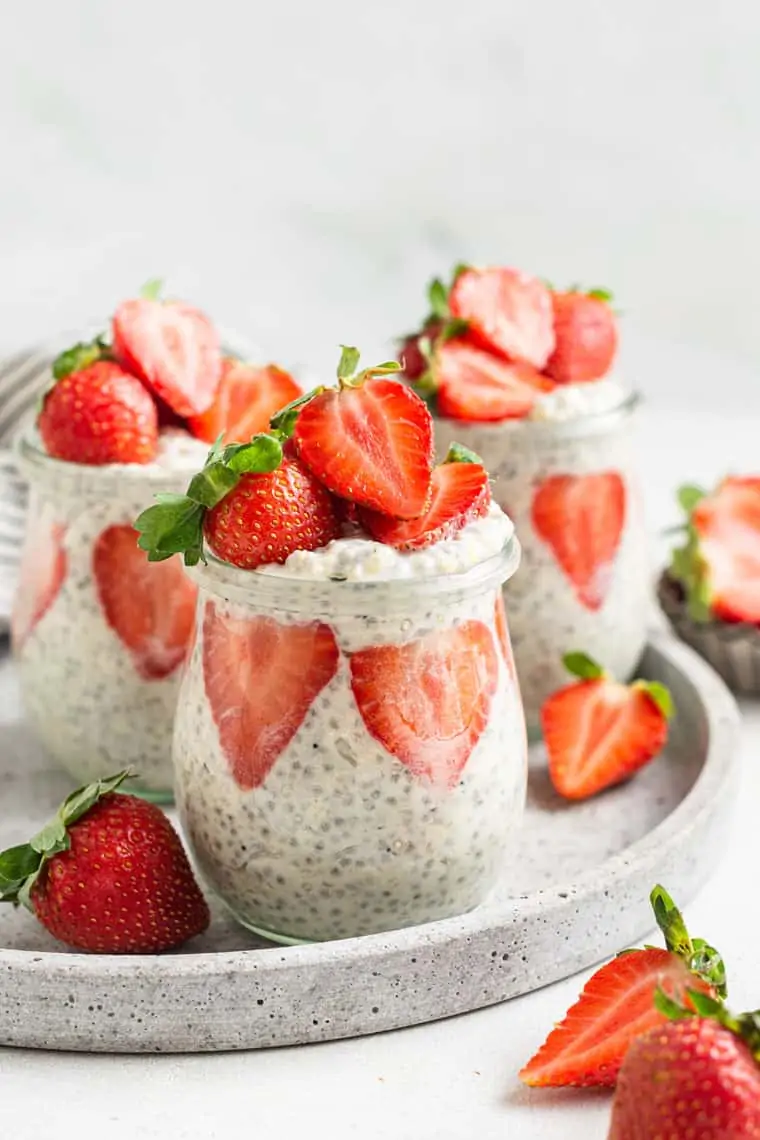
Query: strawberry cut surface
point(598, 733)
point(507, 311)
point(428, 702)
point(474, 385)
point(586, 338)
point(460, 494)
point(371, 444)
point(173, 348)
point(502, 633)
point(42, 573)
point(727, 524)
point(581, 518)
point(261, 679)
point(149, 605)
point(247, 398)
point(617, 1005)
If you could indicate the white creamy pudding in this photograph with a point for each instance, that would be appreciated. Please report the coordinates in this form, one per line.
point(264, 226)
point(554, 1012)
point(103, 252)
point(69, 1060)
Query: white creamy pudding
point(349, 746)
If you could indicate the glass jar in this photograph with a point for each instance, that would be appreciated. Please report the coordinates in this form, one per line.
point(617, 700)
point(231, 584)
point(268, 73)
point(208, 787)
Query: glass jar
point(100, 634)
point(350, 757)
point(571, 489)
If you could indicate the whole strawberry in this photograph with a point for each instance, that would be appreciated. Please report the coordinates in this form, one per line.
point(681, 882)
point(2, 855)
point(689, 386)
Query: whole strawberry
point(107, 875)
point(97, 413)
point(694, 1078)
point(585, 336)
point(265, 518)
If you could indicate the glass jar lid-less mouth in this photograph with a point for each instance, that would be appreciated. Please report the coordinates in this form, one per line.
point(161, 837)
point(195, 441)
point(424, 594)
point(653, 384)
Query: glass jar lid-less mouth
point(271, 588)
point(577, 425)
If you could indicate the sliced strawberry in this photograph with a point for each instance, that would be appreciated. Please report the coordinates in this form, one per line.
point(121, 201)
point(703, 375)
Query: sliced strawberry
point(727, 526)
point(502, 633)
point(248, 396)
point(476, 385)
point(371, 444)
point(149, 605)
point(411, 357)
point(265, 518)
point(581, 517)
point(617, 1005)
point(43, 569)
point(507, 312)
point(460, 494)
point(586, 337)
point(261, 680)
point(428, 702)
point(173, 348)
point(99, 415)
point(599, 732)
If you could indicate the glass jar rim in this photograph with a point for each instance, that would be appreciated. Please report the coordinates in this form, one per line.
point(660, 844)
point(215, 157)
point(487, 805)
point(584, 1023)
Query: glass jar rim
point(340, 596)
point(99, 479)
point(574, 427)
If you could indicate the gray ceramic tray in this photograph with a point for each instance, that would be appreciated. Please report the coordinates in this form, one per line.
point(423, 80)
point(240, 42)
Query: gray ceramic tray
point(578, 894)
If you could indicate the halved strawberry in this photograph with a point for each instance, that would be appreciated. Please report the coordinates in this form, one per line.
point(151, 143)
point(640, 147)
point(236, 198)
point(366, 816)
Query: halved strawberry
point(99, 414)
point(502, 633)
point(248, 397)
point(599, 732)
point(586, 337)
point(506, 311)
point(261, 680)
point(719, 566)
point(149, 605)
point(475, 385)
point(581, 517)
point(428, 701)
point(43, 569)
point(371, 444)
point(173, 348)
point(265, 518)
point(460, 494)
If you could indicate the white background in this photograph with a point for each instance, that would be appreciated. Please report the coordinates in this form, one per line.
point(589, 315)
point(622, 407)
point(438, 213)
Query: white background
point(303, 167)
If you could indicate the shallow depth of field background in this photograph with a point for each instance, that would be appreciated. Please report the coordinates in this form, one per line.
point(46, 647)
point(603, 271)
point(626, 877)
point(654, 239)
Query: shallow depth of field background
point(303, 167)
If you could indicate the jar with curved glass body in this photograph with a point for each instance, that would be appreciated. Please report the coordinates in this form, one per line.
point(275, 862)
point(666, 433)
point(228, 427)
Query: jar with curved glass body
point(571, 488)
point(100, 634)
point(350, 756)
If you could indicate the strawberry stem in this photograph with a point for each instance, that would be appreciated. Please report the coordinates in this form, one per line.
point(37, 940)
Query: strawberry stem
point(701, 958)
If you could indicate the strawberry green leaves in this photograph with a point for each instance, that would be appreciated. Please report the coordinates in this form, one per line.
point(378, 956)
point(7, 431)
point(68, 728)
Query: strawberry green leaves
point(21, 866)
point(348, 377)
point(458, 453)
point(80, 356)
point(687, 564)
point(701, 958)
point(175, 524)
point(583, 666)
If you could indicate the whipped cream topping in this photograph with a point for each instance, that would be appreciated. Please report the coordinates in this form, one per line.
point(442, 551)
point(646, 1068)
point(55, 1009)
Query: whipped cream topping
point(358, 558)
point(571, 401)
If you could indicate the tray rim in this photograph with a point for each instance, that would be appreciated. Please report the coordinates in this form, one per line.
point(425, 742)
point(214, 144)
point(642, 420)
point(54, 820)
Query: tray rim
point(724, 721)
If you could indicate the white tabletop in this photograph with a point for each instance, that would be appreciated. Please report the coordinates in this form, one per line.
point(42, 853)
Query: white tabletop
point(451, 1080)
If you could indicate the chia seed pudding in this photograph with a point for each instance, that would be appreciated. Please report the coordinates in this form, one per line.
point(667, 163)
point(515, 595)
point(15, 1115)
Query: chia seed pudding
point(566, 477)
point(373, 814)
point(99, 694)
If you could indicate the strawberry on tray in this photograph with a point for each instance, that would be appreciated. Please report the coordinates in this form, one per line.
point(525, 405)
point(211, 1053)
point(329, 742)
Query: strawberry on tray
point(496, 338)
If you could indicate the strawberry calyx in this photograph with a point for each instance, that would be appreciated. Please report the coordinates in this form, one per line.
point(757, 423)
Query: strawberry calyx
point(21, 866)
point(745, 1026)
point(703, 960)
point(580, 665)
point(80, 356)
point(174, 525)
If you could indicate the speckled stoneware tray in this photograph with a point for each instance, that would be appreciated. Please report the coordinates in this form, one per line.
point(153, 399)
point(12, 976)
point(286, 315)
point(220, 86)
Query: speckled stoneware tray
point(577, 894)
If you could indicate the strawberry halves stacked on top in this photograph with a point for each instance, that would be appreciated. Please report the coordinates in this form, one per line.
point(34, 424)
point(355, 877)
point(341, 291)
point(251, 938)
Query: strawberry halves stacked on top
point(496, 338)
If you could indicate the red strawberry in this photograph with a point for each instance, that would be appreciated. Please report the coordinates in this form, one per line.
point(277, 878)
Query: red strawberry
point(581, 517)
point(149, 605)
point(371, 444)
point(461, 494)
point(599, 732)
point(265, 518)
point(112, 878)
point(506, 311)
point(586, 337)
point(502, 633)
point(43, 570)
point(261, 680)
point(428, 701)
point(173, 348)
point(692, 1079)
point(248, 396)
point(618, 1005)
point(720, 564)
point(97, 415)
point(475, 385)
point(411, 357)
